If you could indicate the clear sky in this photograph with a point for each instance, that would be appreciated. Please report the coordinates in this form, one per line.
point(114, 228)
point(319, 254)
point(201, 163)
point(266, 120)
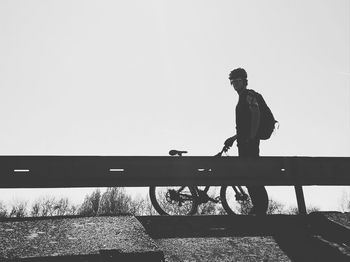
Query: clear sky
point(141, 77)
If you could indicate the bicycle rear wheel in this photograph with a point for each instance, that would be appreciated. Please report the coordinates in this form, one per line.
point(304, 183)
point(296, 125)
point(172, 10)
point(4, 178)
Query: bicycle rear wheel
point(179, 201)
point(234, 203)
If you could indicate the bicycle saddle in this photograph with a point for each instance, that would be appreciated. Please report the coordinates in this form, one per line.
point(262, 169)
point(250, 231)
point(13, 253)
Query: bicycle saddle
point(174, 152)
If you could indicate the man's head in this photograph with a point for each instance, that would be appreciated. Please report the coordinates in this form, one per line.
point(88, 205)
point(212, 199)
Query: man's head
point(238, 78)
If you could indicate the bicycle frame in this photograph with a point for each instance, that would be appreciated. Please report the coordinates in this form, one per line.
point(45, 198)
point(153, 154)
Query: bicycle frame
point(188, 198)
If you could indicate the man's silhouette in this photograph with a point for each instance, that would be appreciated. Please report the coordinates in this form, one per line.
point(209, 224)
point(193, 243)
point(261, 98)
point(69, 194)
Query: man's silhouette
point(247, 124)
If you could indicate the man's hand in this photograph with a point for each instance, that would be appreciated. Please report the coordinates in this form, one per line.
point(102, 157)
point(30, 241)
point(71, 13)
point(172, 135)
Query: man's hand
point(229, 142)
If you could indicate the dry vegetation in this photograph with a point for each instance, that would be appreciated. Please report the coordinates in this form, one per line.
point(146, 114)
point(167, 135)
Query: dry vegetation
point(115, 201)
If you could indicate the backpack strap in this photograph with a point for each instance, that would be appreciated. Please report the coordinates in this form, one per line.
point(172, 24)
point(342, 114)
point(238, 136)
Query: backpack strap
point(252, 98)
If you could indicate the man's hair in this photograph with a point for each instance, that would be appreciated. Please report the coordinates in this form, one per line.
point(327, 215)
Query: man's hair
point(238, 73)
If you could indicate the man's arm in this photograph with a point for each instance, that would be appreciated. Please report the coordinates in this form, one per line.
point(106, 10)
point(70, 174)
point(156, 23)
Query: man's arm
point(229, 141)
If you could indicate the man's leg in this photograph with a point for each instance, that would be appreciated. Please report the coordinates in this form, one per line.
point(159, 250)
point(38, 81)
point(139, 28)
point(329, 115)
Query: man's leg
point(258, 194)
point(259, 198)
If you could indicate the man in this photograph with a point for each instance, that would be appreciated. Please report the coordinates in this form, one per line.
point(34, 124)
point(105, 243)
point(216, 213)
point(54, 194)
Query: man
point(247, 124)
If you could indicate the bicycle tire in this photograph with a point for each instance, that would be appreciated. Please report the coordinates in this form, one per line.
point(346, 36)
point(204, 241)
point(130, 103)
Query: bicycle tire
point(158, 200)
point(230, 204)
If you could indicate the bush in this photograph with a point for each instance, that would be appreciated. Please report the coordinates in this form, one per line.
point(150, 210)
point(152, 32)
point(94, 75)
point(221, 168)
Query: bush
point(91, 204)
point(19, 209)
point(50, 206)
point(3, 210)
point(114, 201)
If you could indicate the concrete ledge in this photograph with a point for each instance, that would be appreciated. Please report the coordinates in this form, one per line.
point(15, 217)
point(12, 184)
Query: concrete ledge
point(78, 239)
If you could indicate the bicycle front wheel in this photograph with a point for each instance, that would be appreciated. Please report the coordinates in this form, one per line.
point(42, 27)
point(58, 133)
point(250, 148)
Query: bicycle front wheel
point(172, 201)
point(235, 200)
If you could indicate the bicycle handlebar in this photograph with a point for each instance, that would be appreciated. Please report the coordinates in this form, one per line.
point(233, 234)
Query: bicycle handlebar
point(174, 152)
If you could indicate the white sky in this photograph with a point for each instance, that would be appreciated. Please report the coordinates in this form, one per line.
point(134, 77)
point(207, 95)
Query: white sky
point(142, 77)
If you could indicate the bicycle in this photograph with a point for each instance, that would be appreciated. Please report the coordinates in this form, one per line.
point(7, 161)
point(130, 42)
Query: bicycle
point(184, 200)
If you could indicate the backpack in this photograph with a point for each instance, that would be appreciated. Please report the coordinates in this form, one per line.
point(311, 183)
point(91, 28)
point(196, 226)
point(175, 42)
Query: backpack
point(267, 120)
